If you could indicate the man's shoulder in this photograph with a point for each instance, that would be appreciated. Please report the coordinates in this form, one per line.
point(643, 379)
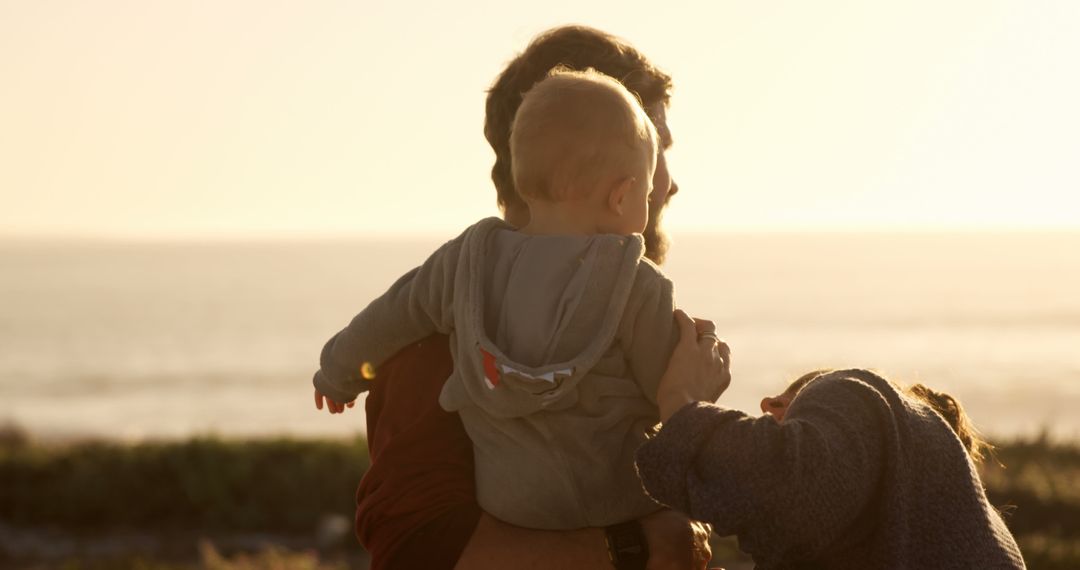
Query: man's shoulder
point(406, 388)
point(422, 358)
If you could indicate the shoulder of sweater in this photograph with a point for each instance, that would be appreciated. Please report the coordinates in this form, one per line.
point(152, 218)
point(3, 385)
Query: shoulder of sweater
point(851, 381)
point(492, 221)
point(650, 276)
point(650, 286)
point(483, 226)
point(475, 235)
point(855, 392)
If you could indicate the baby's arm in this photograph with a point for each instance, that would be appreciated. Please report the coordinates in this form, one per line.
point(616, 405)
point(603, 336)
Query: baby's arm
point(419, 304)
point(649, 331)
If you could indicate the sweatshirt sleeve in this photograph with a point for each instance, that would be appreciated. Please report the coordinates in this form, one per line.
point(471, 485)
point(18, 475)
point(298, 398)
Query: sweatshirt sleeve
point(419, 304)
point(786, 489)
point(650, 332)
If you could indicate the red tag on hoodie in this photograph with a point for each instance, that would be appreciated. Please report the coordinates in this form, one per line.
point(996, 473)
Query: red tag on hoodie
point(491, 373)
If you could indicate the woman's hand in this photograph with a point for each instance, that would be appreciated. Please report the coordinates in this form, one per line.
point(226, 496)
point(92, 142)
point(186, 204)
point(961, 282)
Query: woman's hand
point(699, 369)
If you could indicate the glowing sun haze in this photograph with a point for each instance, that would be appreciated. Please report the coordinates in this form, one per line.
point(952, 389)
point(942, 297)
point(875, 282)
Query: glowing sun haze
point(252, 118)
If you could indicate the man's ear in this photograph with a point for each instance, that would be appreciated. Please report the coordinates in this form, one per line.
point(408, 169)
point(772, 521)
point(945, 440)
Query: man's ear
point(618, 194)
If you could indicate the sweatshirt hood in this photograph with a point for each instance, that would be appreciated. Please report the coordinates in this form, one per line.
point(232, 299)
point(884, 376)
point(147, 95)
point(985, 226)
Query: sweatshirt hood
point(543, 309)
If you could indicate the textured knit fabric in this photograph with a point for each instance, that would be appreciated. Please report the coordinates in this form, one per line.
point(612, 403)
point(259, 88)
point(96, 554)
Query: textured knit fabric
point(416, 505)
point(558, 343)
point(858, 475)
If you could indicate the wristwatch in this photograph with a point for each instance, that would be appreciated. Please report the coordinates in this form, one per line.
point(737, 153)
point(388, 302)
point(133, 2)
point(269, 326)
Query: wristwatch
point(626, 546)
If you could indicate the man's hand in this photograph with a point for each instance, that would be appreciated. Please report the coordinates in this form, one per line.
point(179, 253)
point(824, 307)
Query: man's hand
point(676, 542)
point(699, 369)
point(332, 406)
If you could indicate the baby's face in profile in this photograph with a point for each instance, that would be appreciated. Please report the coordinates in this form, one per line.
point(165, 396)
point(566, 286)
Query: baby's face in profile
point(777, 406)
point(634, 214)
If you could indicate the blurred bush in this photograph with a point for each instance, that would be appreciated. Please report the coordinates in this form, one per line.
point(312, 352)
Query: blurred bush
point(209, 558)
point(280, 485)
point(1036, 485)
point(291, 486)
point(12, 436)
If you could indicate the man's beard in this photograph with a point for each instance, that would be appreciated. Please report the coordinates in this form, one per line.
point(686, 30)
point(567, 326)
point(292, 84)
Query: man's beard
point(656, 240)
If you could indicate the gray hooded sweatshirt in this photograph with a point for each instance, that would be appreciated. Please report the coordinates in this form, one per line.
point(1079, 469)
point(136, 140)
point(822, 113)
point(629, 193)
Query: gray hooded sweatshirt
point(558, 342)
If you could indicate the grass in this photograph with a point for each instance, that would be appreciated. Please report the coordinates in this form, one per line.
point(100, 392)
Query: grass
point(209, 558)
point(285, 487)
point(263, 485)
point(1036, 485)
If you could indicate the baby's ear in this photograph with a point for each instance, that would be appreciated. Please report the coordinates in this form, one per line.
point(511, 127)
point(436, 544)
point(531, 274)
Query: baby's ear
point(618, 192)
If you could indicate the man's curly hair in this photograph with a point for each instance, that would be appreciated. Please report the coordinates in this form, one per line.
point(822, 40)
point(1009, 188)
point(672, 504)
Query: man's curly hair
point(576, 48)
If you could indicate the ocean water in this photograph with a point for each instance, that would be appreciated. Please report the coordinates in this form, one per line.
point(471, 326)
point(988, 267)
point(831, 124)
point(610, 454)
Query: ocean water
point(136, 341)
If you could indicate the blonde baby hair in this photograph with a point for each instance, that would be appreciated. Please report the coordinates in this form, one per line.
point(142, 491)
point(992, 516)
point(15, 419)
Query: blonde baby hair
point(574, 131)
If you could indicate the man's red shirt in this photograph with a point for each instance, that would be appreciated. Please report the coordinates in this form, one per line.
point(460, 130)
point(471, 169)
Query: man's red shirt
point(416, 505)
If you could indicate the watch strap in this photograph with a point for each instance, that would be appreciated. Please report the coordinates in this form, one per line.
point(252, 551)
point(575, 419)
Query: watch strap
point(627, 547)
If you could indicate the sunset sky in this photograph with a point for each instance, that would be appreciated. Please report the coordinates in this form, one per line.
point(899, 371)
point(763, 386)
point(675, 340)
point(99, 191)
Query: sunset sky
point(179, 119)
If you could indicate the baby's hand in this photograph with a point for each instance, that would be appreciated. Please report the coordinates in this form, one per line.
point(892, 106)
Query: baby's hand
point(334, 407)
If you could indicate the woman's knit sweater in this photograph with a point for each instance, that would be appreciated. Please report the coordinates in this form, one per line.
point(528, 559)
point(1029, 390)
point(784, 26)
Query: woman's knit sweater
point(858, 475)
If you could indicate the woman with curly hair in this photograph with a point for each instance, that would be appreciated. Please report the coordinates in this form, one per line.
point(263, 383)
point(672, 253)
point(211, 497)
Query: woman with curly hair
point(845, 469)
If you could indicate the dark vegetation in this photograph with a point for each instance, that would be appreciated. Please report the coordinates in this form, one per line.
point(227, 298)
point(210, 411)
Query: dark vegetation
point(1036, 486)
point(283, 503)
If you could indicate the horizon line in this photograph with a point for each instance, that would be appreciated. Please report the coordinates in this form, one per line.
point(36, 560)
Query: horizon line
point(292, 236)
